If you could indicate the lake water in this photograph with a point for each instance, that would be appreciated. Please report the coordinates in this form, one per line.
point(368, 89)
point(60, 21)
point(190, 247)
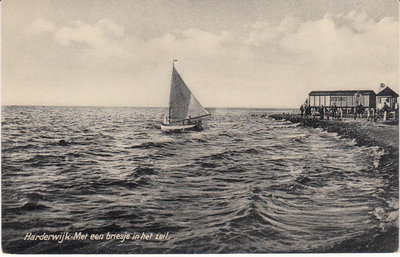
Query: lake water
point(246, 184)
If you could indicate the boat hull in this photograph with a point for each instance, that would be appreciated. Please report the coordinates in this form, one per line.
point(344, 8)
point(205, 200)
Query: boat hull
point(178, 128)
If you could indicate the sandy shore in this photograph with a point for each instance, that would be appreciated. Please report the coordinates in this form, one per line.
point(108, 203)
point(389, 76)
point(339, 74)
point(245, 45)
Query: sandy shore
point(369, 134)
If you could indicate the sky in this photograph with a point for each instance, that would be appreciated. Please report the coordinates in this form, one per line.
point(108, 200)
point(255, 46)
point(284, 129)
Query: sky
point(232, 53)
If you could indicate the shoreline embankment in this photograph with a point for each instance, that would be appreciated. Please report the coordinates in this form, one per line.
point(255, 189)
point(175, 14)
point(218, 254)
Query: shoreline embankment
point(365, 133)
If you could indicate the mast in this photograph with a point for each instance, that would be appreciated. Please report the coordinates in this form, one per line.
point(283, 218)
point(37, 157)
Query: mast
point(169, 105)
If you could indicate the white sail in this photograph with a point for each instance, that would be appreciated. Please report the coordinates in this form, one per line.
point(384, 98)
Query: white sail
point(182, 103)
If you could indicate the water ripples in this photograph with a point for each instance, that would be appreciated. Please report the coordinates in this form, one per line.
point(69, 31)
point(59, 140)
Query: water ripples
point(245, 184)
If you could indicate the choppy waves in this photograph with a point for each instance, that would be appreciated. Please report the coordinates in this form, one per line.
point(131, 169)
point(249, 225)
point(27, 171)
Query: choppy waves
point(245, 184)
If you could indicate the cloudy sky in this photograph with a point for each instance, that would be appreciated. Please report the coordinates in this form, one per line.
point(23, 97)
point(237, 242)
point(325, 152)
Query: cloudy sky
point(232, 53)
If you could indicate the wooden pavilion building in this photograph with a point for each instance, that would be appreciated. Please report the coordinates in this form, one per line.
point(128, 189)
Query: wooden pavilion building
point(345, 99)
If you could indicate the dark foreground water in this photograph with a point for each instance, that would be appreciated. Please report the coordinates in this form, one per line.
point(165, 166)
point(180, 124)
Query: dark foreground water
point(245, 184)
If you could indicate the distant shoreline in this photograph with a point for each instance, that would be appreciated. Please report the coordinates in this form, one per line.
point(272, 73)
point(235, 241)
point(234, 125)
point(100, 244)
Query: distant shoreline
point(153, 107)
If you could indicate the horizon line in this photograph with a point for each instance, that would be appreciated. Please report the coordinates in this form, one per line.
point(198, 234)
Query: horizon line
point(126, 106)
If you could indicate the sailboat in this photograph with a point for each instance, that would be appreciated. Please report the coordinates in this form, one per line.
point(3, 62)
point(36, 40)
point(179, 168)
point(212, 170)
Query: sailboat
point(185, 111)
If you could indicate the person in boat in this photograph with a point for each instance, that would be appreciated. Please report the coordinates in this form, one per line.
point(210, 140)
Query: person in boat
point(166, 120)
point(188, 121)
point(198, 125)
